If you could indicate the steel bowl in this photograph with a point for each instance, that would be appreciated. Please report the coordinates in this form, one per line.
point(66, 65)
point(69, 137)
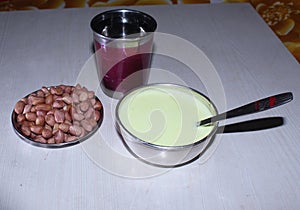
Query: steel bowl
point(31, 141)
point(166, 152)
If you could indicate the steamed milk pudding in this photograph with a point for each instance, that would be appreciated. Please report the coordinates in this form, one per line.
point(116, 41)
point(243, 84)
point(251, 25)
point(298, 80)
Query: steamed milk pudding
point(166, 115)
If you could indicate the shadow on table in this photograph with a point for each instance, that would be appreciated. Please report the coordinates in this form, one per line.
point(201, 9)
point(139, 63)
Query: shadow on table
point(246, 126)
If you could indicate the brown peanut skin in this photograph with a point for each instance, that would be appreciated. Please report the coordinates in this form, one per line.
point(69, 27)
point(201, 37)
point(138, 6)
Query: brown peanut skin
point(34, 100)
point(59, 116)
point(47, 133)
point(49, 99)
point(21, 118)
point(36, 129)
point(50, 120)
point(40, 120)
point(75, 130)
point(26, 130)
point(86, 125)
point(59, 137)
point(30, 116)
point(19, 107)
point(27, 108)
point(43, 107)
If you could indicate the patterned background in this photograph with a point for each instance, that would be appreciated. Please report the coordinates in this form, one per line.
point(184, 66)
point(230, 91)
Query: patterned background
point(283, 16)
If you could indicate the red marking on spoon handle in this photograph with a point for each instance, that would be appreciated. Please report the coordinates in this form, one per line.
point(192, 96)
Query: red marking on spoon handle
point(272, 101)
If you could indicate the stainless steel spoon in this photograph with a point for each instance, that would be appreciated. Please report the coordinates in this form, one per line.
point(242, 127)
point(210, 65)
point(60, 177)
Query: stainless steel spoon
point(253, 107)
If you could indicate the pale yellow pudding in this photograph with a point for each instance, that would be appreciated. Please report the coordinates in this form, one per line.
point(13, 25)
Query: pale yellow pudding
point(165, 115)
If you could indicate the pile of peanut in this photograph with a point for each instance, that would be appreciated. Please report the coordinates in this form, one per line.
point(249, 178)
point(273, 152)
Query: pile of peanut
point(58, 114)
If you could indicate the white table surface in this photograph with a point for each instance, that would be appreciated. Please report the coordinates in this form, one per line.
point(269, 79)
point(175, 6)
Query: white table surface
point(249, 170)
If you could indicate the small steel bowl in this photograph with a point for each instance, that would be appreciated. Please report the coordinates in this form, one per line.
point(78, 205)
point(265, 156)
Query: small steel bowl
point(31, 141)
point(158, 153)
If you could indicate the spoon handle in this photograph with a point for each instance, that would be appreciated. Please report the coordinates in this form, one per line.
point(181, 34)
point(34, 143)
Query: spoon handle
point(253, 107)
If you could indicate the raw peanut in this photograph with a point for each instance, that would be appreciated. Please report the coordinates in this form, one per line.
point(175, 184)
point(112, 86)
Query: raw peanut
point(27, 108)
point(68, 117)
point(57, 98)
point(27, 123)
point(51, 141)
point(30, 116)
point(78, 110)
point(49, 99)
point(48, 127)
point(59, 116)
point(77, 86)
point(47, 133)
point(97, 115)
point(40, 94)
point(67, 99)
point(56, 90)
point(40, 139)
point(55, 128)
point(43, 107)
point(75, 98)
point(19, 107)
point(40, 120)
point(45, 90)
point(93, 122)
point(59, 137)
point(84, 89)
point(59, 90)
point(37, 129)
point(93, 101)
point(34, 100)
point(68, 123)
point(51, 112)
point(86, 125)
point(68, 89)
point(33, 109)
point(72, 110)
point(25, 130)
point(32, 135)
point(63, 87)
point(21, 118)
point(83, 96)
point(24, 100)
point(64, 127)
point(70, 138)
point(84, 106)
point(77, 123)
point(66, 136)
point(78, 116)
point(98, 105)
point(67, 107)
point(91, 94)
point(83, 132)
point(75, 130)
point(50, 120)
point(89, 113)
point(41, 113)
point(58, 104)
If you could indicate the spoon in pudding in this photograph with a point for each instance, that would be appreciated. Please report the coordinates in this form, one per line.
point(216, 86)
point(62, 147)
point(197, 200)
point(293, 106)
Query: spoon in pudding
point(253, 107)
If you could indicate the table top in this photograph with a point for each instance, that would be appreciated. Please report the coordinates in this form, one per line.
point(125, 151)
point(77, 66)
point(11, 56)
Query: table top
point(243, 60)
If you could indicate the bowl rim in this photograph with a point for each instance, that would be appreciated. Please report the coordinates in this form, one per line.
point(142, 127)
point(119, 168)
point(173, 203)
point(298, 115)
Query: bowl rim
point(157, 146)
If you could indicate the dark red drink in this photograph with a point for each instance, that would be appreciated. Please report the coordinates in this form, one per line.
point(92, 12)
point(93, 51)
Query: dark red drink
point(121, 69)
